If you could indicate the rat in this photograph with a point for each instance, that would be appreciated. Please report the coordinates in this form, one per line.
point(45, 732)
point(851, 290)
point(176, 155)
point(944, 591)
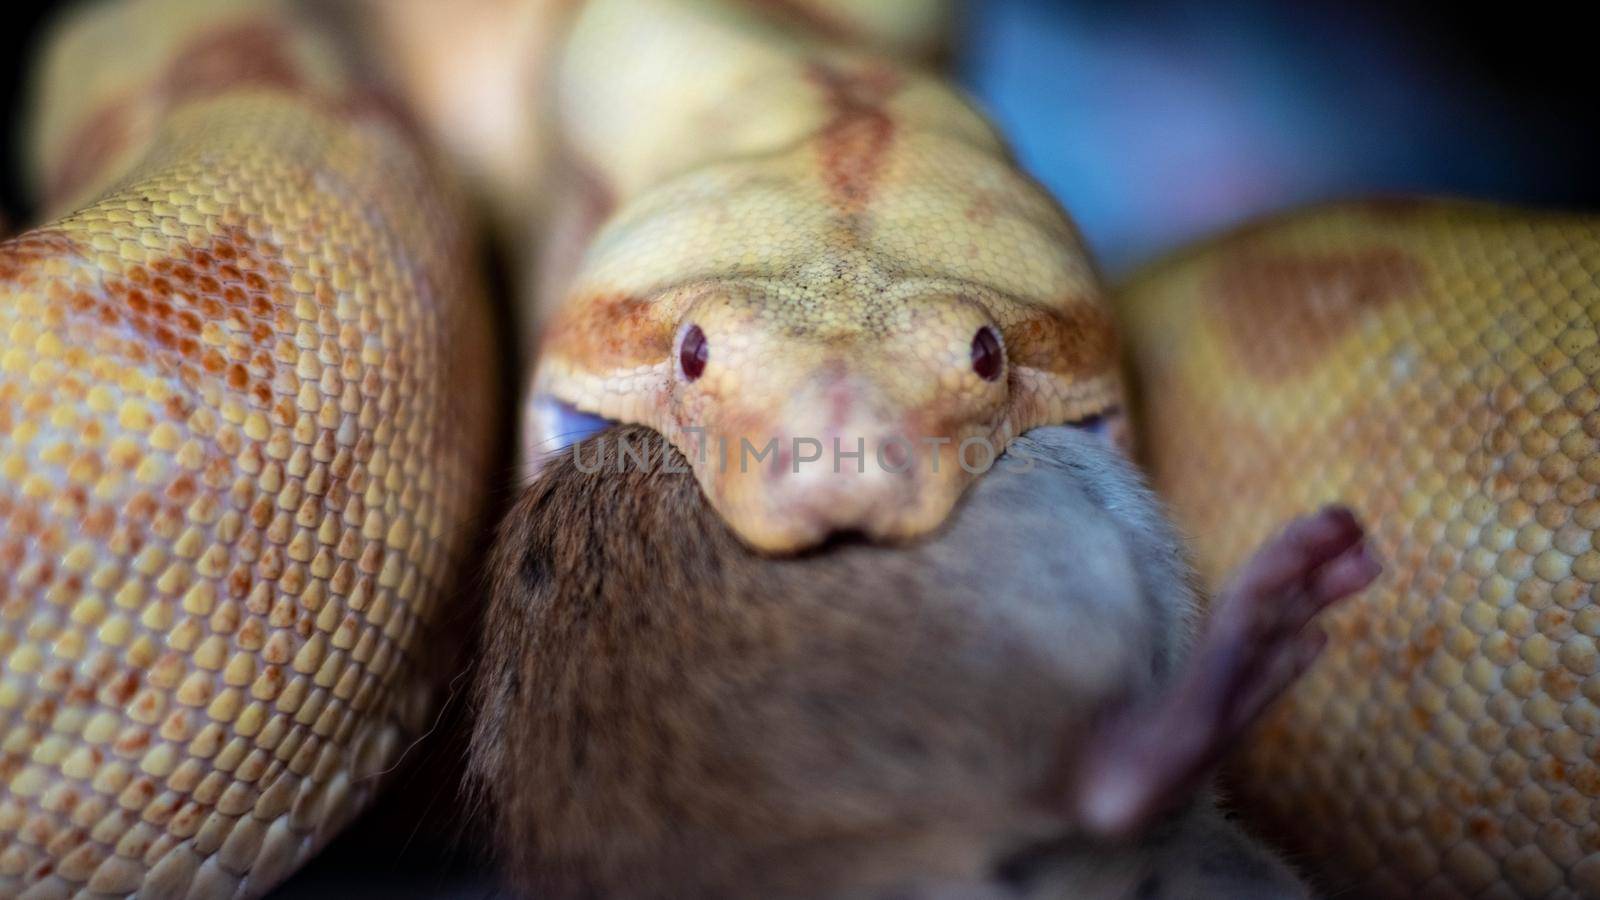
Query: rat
point(1023, 705)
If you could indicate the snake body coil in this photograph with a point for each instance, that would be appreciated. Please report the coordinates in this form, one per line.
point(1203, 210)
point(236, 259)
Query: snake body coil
point(1437, 366)
point(243, 417)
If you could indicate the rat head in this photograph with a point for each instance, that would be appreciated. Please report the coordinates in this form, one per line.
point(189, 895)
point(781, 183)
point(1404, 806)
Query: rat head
point(804, 417)
point(800, 425)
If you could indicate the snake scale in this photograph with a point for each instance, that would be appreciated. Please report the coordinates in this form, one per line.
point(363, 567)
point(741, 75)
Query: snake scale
point(244, 413)
point(1437, 366)
point(244, 419)
point(855, 261)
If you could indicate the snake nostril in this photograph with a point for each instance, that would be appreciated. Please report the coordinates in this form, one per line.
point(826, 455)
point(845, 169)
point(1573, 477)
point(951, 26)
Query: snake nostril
point(693, 352)
point(895, 456)
point(987, 357)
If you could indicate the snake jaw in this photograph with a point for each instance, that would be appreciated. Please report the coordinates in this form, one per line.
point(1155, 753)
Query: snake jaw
point(784, 491)
point(801, 427)
point(802, 420)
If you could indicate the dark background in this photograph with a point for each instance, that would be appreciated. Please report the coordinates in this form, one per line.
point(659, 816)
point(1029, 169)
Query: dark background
point(1154, 123)
point(1159, 121)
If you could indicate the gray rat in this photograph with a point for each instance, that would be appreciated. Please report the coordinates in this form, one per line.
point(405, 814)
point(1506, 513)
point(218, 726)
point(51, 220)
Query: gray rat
point(1019, 706)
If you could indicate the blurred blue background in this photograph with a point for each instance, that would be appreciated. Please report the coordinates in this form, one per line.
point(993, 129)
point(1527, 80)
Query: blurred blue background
point(1157, 122)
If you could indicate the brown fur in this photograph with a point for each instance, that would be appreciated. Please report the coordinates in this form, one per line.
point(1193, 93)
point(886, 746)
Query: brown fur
point(664, 713)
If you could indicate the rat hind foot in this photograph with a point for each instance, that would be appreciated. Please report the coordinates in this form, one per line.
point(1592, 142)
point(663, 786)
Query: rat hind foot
point(1255, 644)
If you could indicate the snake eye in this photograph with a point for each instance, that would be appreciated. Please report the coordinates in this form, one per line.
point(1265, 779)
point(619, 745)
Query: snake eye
point(987, 358)
point(692, 353)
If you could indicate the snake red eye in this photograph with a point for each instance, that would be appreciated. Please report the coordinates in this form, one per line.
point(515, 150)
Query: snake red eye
point(692, 353)
point(987, 357)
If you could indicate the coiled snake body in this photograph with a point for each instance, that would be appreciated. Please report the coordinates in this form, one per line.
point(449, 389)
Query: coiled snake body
point(244, 414)
point(1437, 366)
point(243, 418)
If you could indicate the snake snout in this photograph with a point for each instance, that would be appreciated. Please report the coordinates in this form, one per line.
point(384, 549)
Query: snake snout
point(838, 457)
point(842, 482)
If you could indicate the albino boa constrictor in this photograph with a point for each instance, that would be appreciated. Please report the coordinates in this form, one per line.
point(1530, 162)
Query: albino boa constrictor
point(792, 197)
point(851, 264)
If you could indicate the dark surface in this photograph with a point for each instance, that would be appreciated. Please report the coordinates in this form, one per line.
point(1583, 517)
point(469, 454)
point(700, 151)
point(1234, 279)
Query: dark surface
point(20, 25)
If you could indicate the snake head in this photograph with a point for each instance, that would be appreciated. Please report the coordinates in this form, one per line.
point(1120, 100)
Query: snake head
point(803, 426)
point(806, 417)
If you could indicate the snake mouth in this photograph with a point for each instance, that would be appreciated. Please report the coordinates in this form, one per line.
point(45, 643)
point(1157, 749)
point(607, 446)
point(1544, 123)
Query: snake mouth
point(1110, 426)
point(554, 425)
point(1095, 424)
point(776, 510)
